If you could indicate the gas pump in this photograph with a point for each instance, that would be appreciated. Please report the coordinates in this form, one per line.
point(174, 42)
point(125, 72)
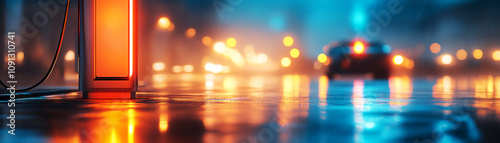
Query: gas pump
point(107, 46)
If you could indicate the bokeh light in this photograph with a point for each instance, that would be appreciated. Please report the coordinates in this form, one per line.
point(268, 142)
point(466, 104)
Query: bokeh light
point(322, 58)
point(398, 59)
point(219, 47)
point(159, 80)
point(496, 55)
point(70, 55)
point(209, 66)
point(359, 47)
point(217, 68)
point(164, 23)
point(478, 54)
point(261, 58)
point(294, 53)
point(288, 41)
point(171, 27)
point(158, 66)
point(214, 68)
point(188, 68)
point(177, 69)
point(461, 54)
point(20, 56)
point(231, 42)
point(285, 62)
point(207, 41)
point(409, 64)
point(190, 32)
point(435, 48)
point(317, 65)
point(446, 59)
point(327, 62)
point(237, 58)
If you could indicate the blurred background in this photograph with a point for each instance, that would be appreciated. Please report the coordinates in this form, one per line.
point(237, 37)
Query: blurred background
point(219, 71)
point(262, 37)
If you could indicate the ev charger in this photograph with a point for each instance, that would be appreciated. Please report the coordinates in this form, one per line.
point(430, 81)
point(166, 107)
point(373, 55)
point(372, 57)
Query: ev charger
point(107, 46)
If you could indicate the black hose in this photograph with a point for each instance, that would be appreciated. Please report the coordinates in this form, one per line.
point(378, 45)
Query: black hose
point(55, 56)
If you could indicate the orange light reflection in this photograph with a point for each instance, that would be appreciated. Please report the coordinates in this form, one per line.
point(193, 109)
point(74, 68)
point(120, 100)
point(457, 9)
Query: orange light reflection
point(323, 90)
point(443, 90)
point(401, 89)
point(487, 88)
point(131, 125)
point(163, 123)
point(294, 103)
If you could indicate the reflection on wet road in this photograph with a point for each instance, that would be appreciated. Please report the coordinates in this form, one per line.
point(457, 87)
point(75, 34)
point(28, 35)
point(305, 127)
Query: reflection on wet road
point(290, 108)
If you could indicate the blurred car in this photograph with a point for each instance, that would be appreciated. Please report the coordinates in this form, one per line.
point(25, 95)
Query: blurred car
point(359, 57)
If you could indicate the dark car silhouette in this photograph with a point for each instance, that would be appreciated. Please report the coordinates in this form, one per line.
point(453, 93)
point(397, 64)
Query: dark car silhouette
point(358, 57)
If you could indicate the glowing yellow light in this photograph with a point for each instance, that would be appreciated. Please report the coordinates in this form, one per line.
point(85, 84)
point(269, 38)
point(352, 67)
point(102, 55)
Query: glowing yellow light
point(398, 59)
point(219, 47)
point(285, 62)
point(131, 121)
point(209, 84)
point(231, 42)
point(323, 90)
point(446, 59)
point(478, 54)
point(288, 41)
point(209, 66)
point(188, 68)
point(158, 66)
point(163, 124)
point(164, 23)
point(177, 69)
point(359, 47)
point(217, 68)
point(113, 136)
point(214, 68)
point(20, 56)
point(496, 55)
point(461, 54)
point(322, 58)
point(70, 55)
point(294, 53)
point(190, 33)
point(435, 48)
point(207, 41)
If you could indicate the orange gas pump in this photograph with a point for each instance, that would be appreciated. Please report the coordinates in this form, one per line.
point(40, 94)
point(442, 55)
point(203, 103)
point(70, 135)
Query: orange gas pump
point(107, 48)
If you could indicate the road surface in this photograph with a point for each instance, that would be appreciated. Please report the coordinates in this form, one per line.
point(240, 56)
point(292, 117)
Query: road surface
point(262, 108)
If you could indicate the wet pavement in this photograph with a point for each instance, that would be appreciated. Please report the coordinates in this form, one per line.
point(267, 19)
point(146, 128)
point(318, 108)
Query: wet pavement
point(259, 108)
